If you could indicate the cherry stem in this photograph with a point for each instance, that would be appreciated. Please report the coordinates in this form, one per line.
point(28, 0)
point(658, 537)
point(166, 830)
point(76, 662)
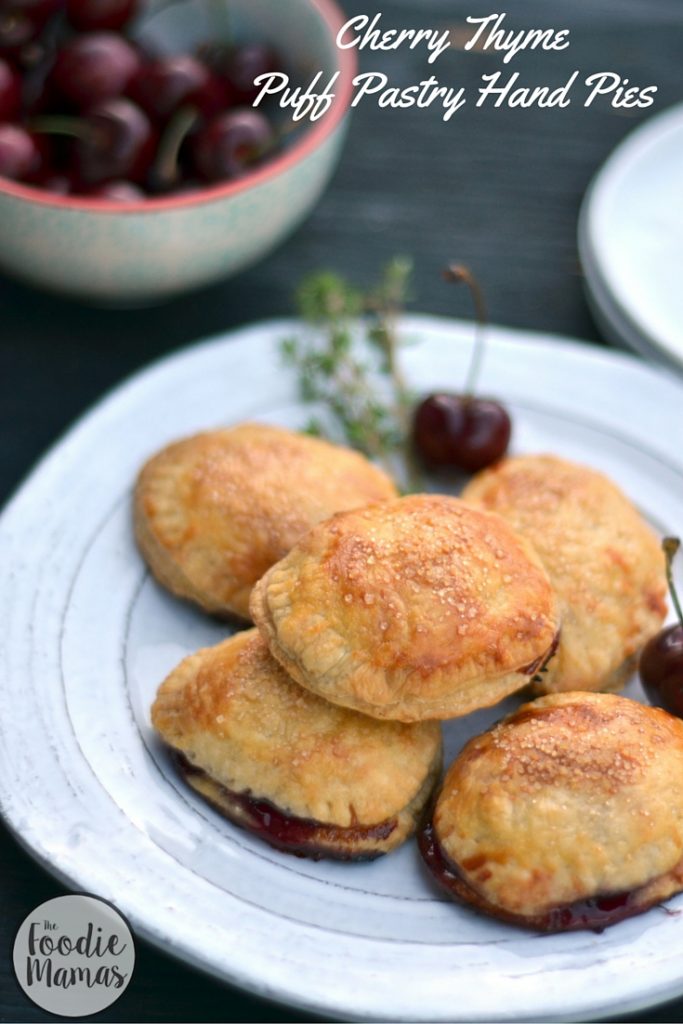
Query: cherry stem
point(671, 546)
point(456, 273)
point(58, 124)
point(166, 166)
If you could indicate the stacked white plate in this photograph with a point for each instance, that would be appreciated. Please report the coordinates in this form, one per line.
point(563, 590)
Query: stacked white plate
point(631, 240)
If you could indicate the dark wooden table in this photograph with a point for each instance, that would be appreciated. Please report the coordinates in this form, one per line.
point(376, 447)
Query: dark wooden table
point(498, 189)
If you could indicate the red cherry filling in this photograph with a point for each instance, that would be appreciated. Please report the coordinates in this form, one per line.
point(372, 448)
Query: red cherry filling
point(540, 664)
point(300, 836)
point(593, 914)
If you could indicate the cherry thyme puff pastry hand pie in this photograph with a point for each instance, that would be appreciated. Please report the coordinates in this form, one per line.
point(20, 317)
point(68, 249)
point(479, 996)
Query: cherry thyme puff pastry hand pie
point(411, 609)
point(566, 815)
point(604, 562)
point(306, 776)
point(214, 511)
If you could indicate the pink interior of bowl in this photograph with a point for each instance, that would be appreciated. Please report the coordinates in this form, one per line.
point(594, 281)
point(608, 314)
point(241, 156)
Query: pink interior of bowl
point(319, 131)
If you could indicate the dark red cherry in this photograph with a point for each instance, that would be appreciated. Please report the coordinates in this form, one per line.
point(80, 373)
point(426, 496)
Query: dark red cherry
point(21, 23)
point(95, 67)
point(161, 86)
point(10, 92)
point(22, 155)
point(118, 192)
point(230, 145)
point(661, 670)
point(460, 432)
point(100, 15)
point(244, 66)
point(661, 661)
point(37, 11)
point(214, 96)
point(117, 142)
point(239, 66)
point(16, 31)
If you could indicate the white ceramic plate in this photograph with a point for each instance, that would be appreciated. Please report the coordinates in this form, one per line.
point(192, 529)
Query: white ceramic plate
point(87, 636)
point(631, 240)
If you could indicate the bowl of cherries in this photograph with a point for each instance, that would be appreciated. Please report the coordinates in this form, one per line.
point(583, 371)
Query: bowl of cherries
point(135, 160)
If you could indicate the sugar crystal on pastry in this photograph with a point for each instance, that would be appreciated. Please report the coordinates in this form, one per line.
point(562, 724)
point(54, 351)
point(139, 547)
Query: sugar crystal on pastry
point(604, 561)
point(306, 776)
point(213, 512)
point(567, 814)
point(418, 608)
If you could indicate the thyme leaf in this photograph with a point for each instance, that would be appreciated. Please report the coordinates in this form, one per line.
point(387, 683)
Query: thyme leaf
point(347, 360)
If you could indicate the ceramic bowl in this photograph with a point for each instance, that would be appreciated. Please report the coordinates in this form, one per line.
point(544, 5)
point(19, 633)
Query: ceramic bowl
point(151, 250)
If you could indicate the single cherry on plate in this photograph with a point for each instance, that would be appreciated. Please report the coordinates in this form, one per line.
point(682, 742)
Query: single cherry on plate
point(661, 661)
point(462, 431)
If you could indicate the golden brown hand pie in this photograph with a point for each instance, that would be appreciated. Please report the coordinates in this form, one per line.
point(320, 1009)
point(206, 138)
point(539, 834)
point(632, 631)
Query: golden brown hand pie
point(308, 777)
point(604, 562)
point(567, 814)
point(417, 608)
point(214, 511)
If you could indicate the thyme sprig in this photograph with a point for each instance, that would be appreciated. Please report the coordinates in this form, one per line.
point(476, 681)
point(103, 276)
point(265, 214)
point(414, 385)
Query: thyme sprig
point(348, 361)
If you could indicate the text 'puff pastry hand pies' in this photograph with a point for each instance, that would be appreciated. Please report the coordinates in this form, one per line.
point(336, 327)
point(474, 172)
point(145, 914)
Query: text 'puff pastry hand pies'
point(306, 776)
point(214, 511)
point(566, 815)
point(411, 609)
point(604, 562)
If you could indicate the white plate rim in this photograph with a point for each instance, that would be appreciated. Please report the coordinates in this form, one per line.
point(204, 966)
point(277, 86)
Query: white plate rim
point(657, 390)
point(622, 321)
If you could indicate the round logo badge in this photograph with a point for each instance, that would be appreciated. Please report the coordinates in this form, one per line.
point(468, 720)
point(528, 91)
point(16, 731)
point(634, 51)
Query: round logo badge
point(74, 955)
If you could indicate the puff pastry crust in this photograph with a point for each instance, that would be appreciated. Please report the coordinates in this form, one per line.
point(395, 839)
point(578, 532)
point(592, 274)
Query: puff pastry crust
point(567, 814)
point(604, 562)
point(249, 732)
point(213, 512)
point(412, 609)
